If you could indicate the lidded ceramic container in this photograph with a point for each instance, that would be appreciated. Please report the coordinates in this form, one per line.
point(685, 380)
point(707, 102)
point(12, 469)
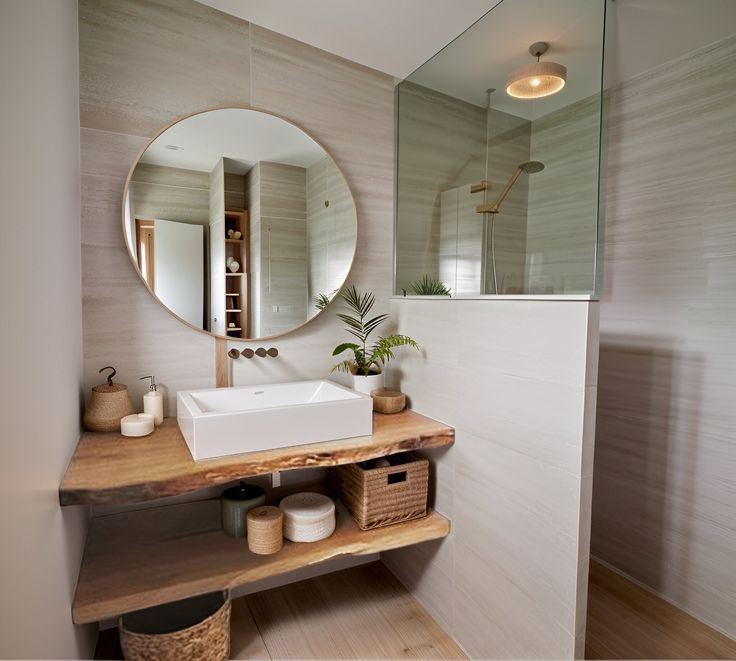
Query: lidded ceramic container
point(234, 505)
point(108, 405)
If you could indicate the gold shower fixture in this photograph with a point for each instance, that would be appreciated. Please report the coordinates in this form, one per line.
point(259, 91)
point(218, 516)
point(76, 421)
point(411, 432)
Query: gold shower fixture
point(526, 167)
point(533, 81)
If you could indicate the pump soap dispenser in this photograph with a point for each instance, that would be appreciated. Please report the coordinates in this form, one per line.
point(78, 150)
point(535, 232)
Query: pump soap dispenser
point(153, 402)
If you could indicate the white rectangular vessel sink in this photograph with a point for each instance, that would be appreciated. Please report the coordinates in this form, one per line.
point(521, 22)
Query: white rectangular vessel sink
point(221, 421)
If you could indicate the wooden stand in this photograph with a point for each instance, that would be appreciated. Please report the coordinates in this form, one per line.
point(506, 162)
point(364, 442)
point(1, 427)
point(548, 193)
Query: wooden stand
point(110, 469)
point(237, 285)
point(149, 557)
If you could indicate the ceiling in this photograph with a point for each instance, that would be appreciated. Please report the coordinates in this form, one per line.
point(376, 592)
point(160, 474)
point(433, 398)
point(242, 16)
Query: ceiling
point(397, 36)
point(244, 137)
point(499, 43)
point(393, 36)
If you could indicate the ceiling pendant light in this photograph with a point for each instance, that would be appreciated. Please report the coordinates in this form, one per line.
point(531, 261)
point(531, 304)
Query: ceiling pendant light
point(533, 81)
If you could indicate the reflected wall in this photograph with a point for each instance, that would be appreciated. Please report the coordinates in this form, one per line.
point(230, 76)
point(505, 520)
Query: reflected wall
point(453, 135)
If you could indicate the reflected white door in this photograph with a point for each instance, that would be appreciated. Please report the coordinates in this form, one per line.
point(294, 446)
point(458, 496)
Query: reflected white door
point(179, 268)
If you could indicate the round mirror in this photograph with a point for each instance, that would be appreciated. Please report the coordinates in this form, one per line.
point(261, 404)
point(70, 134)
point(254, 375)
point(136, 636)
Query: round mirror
point(240, 224)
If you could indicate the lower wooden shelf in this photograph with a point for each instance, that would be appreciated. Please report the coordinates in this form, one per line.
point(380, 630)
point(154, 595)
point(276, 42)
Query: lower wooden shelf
point(148, 557)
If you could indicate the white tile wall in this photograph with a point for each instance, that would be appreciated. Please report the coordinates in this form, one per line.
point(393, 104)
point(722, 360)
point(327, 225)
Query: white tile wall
point(514, 378)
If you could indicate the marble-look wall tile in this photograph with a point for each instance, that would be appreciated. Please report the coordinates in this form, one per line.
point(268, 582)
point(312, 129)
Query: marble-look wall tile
point(509, 581)
point(123, 325)
point(279, 234)
point(438, 138)
point(331, 230)
point(217, 260)
point(563, 199)
point(234, 189)
point(309, 87)
point(442, 148)
point(665, 460)
point(181, 57)
point(170, 194)
point(142, 63)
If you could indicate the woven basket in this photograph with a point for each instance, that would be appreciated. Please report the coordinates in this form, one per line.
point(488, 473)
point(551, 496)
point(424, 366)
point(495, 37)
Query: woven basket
point(308, 516)
point(386, 494)
point(265, 529)
point(196, 628)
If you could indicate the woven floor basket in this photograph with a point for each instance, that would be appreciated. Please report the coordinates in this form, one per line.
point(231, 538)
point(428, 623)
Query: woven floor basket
point(388, 494)
point(196, 628)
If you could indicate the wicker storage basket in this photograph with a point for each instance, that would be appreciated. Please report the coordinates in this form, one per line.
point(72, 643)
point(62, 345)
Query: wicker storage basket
point(196, 628)
point(308, 516)
point(386, 494)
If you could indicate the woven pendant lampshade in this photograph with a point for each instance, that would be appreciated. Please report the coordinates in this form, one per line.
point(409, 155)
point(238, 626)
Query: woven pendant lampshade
point(533, 81)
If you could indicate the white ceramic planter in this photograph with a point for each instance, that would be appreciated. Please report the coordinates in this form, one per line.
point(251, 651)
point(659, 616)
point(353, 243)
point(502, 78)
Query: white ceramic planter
point(365, 384)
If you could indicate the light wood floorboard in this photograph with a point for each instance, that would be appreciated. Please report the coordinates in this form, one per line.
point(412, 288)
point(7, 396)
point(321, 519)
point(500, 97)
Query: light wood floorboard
point(358, 613)
point(626, 621)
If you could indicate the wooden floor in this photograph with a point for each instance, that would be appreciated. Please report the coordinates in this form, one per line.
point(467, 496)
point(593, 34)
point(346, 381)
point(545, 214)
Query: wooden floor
point(628, 622)
point(365, 613)
point(358, 613)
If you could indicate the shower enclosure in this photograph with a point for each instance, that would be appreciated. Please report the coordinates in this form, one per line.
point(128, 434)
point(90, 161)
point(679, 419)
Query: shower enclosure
point(496, 194)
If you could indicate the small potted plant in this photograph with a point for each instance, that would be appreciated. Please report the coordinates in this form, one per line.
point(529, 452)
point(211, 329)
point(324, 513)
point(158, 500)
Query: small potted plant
point(428, 286)
point(367, 362)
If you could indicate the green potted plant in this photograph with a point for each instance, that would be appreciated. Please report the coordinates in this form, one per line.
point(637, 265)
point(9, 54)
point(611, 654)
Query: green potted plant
point(366, 364)
point(428, 286)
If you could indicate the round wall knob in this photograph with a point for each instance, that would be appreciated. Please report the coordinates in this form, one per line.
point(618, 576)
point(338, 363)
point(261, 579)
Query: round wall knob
point(248, 353)
point(261, 352)
point(273, 352)
point(233, 353)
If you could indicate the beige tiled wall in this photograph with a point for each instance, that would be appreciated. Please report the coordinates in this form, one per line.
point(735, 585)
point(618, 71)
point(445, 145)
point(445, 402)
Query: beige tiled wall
point(142, 64)
point(561, 230)
point(517, 380)
point(442, 150)
point(330, 229)
point(279, 234)
point(665, 491)
point(509, 375)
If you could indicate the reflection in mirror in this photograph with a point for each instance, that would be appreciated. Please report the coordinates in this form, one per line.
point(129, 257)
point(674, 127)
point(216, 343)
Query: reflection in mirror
point(497, 182)
point(239, 223)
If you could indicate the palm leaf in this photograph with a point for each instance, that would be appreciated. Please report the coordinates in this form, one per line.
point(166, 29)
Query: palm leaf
point(344, 347)
point(427, 286)
point(360, 326)
point(344, 366)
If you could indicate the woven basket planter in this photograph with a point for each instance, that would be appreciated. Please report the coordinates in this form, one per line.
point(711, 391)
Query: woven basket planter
point(384, 495)
point(196, 628)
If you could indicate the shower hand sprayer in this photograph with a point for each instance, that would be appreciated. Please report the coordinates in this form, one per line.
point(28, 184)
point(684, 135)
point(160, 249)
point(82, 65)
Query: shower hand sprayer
point(525, 167)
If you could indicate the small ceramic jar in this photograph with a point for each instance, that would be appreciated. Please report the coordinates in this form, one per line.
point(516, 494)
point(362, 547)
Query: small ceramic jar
point(234, 505)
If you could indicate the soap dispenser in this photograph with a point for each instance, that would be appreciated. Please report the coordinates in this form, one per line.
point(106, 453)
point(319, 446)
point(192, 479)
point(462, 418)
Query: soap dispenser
point(153, 402)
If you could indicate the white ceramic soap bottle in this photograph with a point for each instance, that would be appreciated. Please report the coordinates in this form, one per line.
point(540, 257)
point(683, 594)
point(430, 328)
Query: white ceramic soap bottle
point(153, 402)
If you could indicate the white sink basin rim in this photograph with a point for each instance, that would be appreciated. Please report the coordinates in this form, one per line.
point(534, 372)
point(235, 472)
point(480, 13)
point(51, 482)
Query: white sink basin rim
point(222, 421)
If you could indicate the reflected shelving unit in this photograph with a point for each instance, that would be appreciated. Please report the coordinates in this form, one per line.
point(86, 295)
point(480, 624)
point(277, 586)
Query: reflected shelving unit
point(237, 285)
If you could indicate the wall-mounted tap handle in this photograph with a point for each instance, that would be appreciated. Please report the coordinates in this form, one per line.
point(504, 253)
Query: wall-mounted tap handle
point(234, 354)
point(273, 352)
point(261, 352)
point(248, 353)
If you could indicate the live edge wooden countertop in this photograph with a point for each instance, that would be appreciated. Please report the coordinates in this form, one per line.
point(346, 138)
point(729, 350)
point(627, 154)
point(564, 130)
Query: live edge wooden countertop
point(111, 469)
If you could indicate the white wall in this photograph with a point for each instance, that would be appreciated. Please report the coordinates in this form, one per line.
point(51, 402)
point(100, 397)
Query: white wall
point(517, 381)
point(41, 330)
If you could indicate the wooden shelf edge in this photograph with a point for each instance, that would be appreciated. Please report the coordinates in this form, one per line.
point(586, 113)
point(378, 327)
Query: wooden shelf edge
point(140, 559)
point(110, 469)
